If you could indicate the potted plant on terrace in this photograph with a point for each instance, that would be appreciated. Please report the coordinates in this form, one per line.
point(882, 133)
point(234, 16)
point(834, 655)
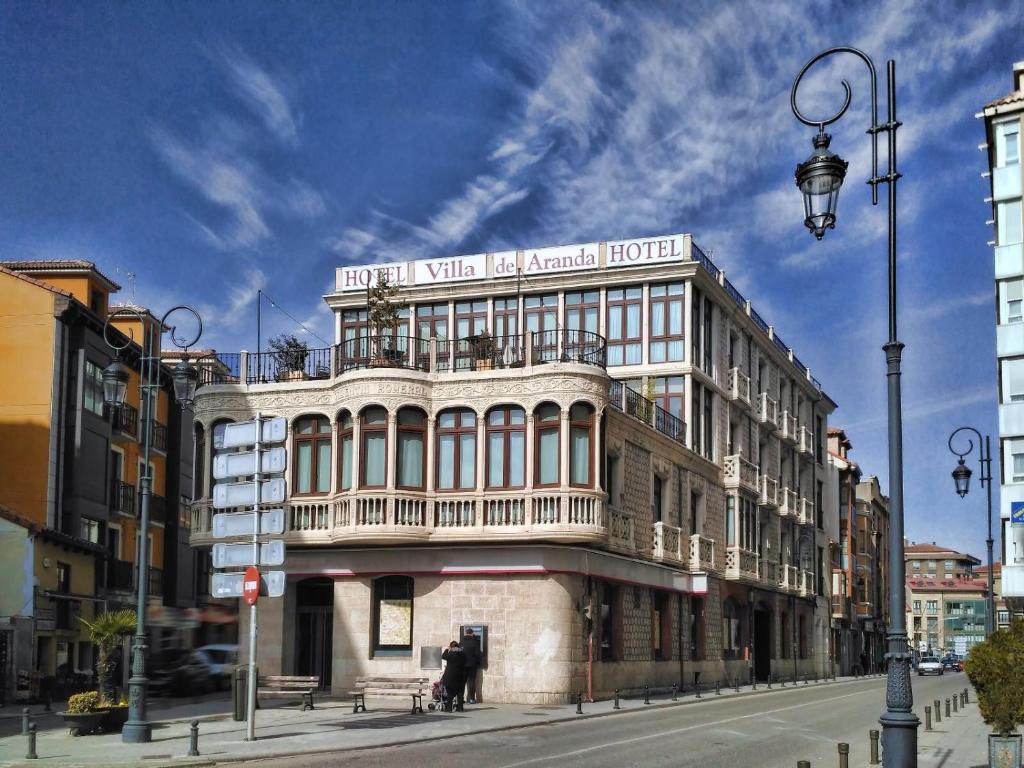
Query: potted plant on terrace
point(290, 353)
point(483, 351)
point(382, 312)
point(995, 670)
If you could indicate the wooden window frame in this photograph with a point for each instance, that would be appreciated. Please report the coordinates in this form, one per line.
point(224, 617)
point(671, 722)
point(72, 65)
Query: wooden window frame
point(587, 424)
point(345, 432)
point(543, 350)
point(624, 303)
point(580, 308)
point(538, 428)
point(314, 439)
point(456, 432)
point(502, 315)
point(506, 429)
point(663, 304)
point(365, 430)
point(407, 429)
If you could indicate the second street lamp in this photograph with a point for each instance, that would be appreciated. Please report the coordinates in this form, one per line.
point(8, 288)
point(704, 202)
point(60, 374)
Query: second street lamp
point(115, 386)
point(962, 483)
point(819, 179)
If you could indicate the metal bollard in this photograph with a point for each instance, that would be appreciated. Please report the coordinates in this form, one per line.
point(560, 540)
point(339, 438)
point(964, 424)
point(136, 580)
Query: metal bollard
point(193, 739)
point(753, 683)
point(805, 679)
point(769, 681)
point(30, 754)
point(718, 687)
point(967, 696)
point(675, 691)
point(928, 718)
point(873, 737)
point(616, 705)
point(947, 707)
point(956, 703)
point(782, 681)
point(736, 683)
point(579, 703)
point(647, 694)
point(697, 685)
point(24, 721)
point(937, 709)
point(844, 755)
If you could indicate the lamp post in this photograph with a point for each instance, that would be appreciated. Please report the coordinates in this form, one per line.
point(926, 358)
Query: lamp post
point(115, 385)
point(819, 179)
point(962, 481)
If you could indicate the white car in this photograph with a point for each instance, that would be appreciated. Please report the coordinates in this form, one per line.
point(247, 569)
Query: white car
point(220, 660)
point(929, 665)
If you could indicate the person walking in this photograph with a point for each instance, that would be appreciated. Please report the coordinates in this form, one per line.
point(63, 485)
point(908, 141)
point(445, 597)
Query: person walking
point(454, 677)
point(471, 649)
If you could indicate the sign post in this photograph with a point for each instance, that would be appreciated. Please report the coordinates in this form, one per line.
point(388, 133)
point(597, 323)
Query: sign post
point(250, 708)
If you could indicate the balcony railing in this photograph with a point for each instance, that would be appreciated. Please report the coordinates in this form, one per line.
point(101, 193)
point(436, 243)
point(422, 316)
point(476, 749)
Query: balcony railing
point(739, 386)
point(790, 504)
point(124, 420)
point(620, 530)
point(122, 497)
point(789, 578)
point(702, 553)
point(219, 368)
point(767, 410)
point(865, 610)
point(787, 427)
point(624, 398)
point(569, 346)
point(740, 563)
point(156, 581)
point(290, 365)
point(768, 571)
point(477, 353)
point(120, 575)
point(806, 513)
point(740, 473)
point(667, 542)
point(157, 509)
point(769, 492)
point(806, 441)
point(159, 438)
point(806, 582)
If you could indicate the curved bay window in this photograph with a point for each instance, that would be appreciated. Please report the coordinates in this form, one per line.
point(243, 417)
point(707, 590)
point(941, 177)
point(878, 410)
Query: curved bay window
point(392, 616)
point(581, 437)
point(546, 460)
point(411, 459)
point(506, 447)
point(456, 450)
point(732, 634)
point(345, 451)
point(373, 428)
point(311, 451)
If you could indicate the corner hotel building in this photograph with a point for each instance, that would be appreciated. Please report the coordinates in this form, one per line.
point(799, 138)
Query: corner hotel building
point(622, 482)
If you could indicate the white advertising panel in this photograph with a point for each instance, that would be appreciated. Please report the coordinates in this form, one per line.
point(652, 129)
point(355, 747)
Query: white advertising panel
point(241, 554)
point(228, 524)
point(272, 584)
point(244, 494)
point(243, 433)
point(227, 465)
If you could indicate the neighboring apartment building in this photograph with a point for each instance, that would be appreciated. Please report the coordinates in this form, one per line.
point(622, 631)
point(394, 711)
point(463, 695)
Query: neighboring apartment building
point(1003, 150)
point(70, 468)
point(946, 599)
point(843, 477)
point(599, 453)
point(871, 579)
point(1004, 614)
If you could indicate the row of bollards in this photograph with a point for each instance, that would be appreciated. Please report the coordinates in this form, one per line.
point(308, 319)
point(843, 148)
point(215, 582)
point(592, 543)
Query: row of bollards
point(28, 728)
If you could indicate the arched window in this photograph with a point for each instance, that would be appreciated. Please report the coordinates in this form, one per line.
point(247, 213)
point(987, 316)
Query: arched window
point(581, 436)
point(344, 451)
point(456, 450)
point(731, 628)
point(311, 455)
point(546, 461)
point(199, 475)
point(506, 447)
point(373, 428)
point(410, 467)
point(392, 616)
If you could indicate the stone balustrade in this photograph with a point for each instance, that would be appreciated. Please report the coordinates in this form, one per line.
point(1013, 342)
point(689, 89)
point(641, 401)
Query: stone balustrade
point(769, 488)
point(767, 411)
point(739, 386)
point(740, 563)
point(667, 543)
point(787, 428)
point(740, 473)
point(702, 553)
point(806, 442)
point(790, 503)
point(805, 515)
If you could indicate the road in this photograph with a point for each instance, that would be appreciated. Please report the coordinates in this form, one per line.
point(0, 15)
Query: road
point(776, 729)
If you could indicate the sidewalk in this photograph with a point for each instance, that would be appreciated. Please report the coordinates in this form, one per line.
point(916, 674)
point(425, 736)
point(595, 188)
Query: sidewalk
point(284, 731)
point(960, 740)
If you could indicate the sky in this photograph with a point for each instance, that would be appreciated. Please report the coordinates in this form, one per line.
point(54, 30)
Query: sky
point(200, 152)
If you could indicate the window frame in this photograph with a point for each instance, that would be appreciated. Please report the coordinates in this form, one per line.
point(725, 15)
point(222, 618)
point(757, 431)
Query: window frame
point(539, 428)
point(506, 310)
point(505, 429)
point(402, 430)
point(456, 433)
point(92, 384)
point(623, 341)
point(315, 439)
point(365, 430)
point(588, 425)
point(379, 583)
point(662, 303)
point(345, 432)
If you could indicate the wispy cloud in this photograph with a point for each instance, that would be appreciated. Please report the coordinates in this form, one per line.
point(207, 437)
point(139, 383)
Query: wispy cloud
point(262, 92)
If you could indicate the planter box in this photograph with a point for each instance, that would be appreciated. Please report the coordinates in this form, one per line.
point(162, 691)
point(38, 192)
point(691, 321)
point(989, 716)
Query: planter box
point(114, 719)
point(1004, 751)
point(82, 723)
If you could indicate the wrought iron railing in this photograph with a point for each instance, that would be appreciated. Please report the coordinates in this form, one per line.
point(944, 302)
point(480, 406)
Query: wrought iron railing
point(122, 497)
point(382, 351)
point(124, 419)
point(219, 368)
point(292, 365)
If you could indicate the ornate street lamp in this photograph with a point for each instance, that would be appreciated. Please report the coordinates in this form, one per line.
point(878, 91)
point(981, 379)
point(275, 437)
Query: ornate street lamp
point(819, 179)
point(115, 385)
point(962, 481)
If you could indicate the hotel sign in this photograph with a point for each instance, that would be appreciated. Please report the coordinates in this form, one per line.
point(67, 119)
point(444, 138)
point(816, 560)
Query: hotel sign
point(535, 261)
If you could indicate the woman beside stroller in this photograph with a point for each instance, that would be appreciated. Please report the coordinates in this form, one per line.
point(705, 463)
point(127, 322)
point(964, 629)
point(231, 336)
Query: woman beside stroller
point(454, 677)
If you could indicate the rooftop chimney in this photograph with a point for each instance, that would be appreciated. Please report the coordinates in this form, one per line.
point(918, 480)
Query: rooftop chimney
point(1018, 76)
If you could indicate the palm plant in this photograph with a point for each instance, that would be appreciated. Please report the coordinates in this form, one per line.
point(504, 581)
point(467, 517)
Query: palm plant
point(104, 632)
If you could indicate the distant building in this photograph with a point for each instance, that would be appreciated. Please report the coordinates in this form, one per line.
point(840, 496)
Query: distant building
point(1003, 152)
point(1004, 614)
point(946, 599)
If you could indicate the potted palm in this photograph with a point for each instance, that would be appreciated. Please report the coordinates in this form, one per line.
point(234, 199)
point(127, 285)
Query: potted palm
point(106, 632)
point(997, 675)
point(290, 353)
point(382, 312)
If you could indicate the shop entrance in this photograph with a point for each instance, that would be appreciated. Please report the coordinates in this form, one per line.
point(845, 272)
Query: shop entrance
point(762, 642)
point(314, 614)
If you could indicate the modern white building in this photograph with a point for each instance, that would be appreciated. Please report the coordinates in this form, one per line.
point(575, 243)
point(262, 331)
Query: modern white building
point(1003, 148)
point(599, 453)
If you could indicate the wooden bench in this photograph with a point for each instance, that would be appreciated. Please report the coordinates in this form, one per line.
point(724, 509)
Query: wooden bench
point(288, 686)
point(389, 686)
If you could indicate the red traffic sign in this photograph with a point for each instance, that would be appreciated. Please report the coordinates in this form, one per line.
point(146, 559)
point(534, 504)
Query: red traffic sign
point(251, 585)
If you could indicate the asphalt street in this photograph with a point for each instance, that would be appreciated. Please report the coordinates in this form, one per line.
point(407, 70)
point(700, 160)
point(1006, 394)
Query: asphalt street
point(775, 729)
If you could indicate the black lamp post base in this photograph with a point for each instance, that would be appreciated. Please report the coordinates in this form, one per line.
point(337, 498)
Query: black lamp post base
point(136, 733)
point(899, 739)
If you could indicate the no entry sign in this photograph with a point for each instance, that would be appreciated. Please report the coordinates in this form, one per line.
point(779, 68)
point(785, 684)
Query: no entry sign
point(251, 585)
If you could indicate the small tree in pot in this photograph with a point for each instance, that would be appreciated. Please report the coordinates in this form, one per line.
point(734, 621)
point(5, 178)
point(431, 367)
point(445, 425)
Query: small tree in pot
point(290, 352)
point(996, 670)
point(382, 312)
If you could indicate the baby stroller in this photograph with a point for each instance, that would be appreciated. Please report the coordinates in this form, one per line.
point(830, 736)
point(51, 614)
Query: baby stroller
point(440, 701)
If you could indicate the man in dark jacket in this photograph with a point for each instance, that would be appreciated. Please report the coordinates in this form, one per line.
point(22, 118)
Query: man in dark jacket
point(471, 648)
point(454, 677)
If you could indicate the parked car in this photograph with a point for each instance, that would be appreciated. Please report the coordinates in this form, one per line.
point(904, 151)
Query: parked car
point(953, 664)
point(178, 672)
point(219, 660)
point(929, 665)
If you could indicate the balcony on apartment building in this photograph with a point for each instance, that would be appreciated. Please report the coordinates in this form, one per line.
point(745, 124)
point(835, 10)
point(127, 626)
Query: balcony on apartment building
point(122, 497)
point(121, 577)
point(805, 514)
point(740, 473)
point(789, 503)
point(865, 609)
point(739, 387)
point(159, 438)
point(767, 411)
point(806, 442)
point(787, 428)
point(124, 422)
point(769, 487)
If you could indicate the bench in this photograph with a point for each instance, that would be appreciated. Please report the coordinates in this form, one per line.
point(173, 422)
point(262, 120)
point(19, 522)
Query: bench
point(288, 686)
point(389, 686)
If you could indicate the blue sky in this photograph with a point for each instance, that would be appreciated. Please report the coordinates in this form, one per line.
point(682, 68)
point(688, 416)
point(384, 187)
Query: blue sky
point(213, 149)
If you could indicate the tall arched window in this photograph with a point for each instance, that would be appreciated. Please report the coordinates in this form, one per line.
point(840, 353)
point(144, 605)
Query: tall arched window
point(311, 456)
point(410, 466)
point(373, 428)
point(456, 450)
point(344, 451)
point(506, 447)
point(581, 436)
point(546, 460)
